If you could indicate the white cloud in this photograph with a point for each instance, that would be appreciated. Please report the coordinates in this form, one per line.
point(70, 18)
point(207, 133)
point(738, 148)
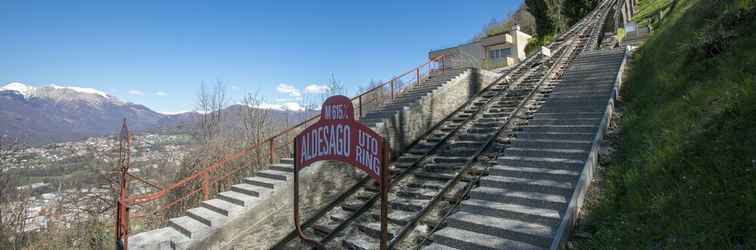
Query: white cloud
point(234, 87)
point(136, 92)
point(160, 93)
point(316, 89)
point(288, 89)
point(291, 106)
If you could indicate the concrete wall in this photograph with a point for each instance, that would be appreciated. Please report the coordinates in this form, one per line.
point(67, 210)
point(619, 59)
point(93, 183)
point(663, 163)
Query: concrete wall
point(264, 227)
point(269, 220)
point(413, 122)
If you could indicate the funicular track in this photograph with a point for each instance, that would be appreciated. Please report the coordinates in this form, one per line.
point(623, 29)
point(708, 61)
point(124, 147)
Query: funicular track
point(447, 161)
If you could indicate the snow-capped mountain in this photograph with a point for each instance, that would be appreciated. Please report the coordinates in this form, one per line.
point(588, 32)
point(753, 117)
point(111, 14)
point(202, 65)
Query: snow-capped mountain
point(58, 113)
point(46, 114)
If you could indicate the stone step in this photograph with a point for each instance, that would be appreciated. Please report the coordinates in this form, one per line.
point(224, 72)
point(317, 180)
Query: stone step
point(251, 190)
point(283, 167)
point(289, 161)
point(162, 238)
point(525, 198)
point(274, 174)
point(565, 174)
point(207, 216)
point(573, 115)
point(575, 97)
point(537, 122)
point(526, 184)
point(556, 144)
point(574, 154)
point(238, 198)
point(264, 182)
point(450, 159)
point(578, 136)
point(559, 99)
point(222, 207)
point(544, 216)
point(592, 128)
point(567, 85)
point(531, 233)
point(189, 227)
point(572, 108)
point(536, 163)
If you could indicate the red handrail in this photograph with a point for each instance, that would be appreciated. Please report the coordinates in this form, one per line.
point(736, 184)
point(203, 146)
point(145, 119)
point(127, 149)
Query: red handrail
point(204, 174)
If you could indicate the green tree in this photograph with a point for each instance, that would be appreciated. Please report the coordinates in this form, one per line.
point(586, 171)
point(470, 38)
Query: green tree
point(545, 22)
point(574, 10)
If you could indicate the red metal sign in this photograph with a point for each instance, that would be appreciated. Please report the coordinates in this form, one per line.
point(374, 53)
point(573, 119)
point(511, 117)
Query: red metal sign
point(338, 136)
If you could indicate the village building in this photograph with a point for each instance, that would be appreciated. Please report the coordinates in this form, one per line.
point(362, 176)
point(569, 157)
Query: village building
point(501, 50)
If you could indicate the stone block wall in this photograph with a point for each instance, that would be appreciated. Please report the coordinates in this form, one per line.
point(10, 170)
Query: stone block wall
point(414, 121)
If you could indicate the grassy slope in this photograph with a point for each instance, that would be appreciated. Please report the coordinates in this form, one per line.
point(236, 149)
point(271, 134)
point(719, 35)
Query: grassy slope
point(684, 177)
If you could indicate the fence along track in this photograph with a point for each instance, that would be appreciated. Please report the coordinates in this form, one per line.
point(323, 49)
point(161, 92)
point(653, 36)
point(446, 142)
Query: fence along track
point(428, 182)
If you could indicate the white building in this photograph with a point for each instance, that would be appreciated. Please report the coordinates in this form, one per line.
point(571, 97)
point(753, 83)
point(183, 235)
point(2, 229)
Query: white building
point(500, 50)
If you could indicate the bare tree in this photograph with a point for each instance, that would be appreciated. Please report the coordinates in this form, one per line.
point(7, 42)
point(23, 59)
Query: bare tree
point(210, 104)
point(253, 118)
point(14, 203)
point(334, 88)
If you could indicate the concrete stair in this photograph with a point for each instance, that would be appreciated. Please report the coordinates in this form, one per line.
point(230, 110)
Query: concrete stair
point(410, 96)
point(200, 222)
point(529, 198)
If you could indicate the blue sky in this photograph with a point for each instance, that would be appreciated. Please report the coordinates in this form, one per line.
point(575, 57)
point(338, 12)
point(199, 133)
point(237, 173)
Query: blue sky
point(157, 53)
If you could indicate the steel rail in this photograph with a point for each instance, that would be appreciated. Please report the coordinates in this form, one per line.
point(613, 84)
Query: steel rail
point(407, 170)
point(468, 165)
point(414, 166)
point(567, 57)
point(399, 176)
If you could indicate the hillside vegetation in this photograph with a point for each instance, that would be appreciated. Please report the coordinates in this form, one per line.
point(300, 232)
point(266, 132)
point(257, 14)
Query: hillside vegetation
point(684, 176)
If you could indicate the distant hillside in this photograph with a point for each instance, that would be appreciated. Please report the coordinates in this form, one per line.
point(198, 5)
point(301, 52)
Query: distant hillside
point(41, 115)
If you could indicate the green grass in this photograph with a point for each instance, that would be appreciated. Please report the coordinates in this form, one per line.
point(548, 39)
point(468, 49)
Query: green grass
point(684, 176)
point(647, 8)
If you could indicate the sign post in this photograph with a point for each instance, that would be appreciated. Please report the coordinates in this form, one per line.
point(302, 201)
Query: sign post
point(337, 136)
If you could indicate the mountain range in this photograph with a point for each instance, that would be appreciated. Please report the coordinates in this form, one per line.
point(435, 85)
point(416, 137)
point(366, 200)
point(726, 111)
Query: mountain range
point(50, 114)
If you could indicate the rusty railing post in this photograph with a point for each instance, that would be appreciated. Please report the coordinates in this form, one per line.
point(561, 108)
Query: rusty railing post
point(271, 150)
point(122, 211)
point(392, 89)
point(205, 186)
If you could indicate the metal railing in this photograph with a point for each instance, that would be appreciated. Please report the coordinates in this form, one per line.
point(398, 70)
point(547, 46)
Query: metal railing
point(278, 144)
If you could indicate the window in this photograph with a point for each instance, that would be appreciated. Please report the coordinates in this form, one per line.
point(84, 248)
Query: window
point(499, 53)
